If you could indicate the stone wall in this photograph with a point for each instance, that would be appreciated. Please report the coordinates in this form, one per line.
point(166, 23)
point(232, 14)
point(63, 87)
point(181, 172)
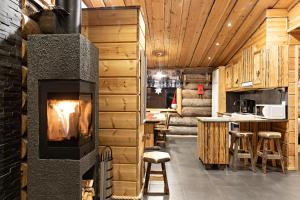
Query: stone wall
point(10, 99)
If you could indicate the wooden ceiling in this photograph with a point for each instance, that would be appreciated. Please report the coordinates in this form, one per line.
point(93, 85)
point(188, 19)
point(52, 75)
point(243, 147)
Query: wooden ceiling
point(197, 33)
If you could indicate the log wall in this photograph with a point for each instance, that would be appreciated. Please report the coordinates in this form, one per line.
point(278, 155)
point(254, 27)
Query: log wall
point(193, 105)
point(10, 98)
point(119, 35)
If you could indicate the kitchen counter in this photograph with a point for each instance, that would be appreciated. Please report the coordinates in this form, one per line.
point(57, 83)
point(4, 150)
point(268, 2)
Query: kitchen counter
point(239, 119)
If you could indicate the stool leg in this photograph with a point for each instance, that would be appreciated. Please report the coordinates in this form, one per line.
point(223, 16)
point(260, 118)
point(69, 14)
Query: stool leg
point(264, 157)
point(272, 148)
point(257, 150)
point(280, 154)
point(147, 178)
point(251, 152)
point(166, 188)
point(231, 148)
point(244, 139)
point(235, 154)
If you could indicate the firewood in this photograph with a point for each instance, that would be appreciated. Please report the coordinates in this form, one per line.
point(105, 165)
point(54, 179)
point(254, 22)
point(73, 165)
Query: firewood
point(23, 195)
point(24, 52)
point(24, 100)
point(24, 76)
point(29, 27)
point(23, 124)
point(24, 169)
point(23, 152)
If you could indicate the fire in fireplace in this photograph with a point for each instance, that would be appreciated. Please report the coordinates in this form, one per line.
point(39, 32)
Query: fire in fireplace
point(67, 124)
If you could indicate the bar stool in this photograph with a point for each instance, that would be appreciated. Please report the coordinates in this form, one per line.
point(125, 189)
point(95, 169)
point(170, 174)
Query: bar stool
point(156, 157)
point(246, 152)
point(266, 154)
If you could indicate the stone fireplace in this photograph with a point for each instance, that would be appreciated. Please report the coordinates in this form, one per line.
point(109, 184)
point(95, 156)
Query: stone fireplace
point(62, 112)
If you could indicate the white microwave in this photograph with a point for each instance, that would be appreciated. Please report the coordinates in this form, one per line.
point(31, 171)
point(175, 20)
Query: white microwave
point(271, 111)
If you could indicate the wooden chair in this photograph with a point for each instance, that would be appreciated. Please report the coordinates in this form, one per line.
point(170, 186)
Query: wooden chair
point(266, 154)
point(161, 131)
point(156, 157)
point(245, 153)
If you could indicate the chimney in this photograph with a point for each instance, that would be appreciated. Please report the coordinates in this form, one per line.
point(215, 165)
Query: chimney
point(71, 23)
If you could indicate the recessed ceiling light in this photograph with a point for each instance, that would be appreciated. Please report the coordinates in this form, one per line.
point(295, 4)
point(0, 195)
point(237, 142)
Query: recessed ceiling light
point(229, 24)
point(218, 44)
point(158, 53)
point(209, 58)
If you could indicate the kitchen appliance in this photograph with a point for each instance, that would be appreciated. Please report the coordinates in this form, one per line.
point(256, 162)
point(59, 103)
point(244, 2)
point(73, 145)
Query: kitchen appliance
point(271, 111)
point(247, 106)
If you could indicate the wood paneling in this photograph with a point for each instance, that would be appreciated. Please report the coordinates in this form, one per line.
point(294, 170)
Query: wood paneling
point(123, 155)
point(118, 86)
point(119, 33)
point(123, 120)
point(118, 137)
point(118, 68)
point(119, 103)
point(114, 51)
point(188, 30)
point(125, 172)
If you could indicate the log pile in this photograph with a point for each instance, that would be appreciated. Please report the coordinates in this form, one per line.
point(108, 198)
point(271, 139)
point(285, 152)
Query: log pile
point(193, 104)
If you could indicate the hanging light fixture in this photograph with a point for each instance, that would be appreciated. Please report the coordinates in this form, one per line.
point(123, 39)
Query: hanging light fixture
point(159, 75)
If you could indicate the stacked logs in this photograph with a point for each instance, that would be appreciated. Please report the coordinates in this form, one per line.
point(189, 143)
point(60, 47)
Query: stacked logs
point(193, 105)
point(29, 27)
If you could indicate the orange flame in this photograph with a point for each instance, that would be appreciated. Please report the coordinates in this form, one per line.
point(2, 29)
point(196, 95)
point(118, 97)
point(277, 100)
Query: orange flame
point(63, 109)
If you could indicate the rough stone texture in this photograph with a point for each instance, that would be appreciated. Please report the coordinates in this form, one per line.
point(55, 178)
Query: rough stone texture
point(10, 99)
point(69, 56)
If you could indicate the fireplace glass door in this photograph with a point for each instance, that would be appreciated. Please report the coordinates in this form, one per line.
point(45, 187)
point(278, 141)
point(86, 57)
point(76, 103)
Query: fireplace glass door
point(66, 119)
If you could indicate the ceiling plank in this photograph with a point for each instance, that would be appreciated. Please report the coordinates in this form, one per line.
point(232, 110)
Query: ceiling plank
point(239, 13)
point(167, 31)
point(217, 18)
point(284, 4)
point(94, 3)
point(199, 12)
point(185, 14)
point(176, 16)
point(114, 3)
point(250, 25)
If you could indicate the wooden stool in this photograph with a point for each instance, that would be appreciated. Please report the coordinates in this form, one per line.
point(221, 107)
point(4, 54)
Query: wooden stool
point(156, 157)
point(264, 138)
point(162, 130)
point(244, 153)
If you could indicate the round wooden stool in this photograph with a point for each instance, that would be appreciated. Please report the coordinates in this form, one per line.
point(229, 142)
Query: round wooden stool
point(266, 154)
point(245, 153)
point(156, 157)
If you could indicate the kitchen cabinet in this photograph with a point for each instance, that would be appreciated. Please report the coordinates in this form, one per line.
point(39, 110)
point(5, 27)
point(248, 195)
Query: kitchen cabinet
point(236, 74)
point(228, 78)
point(259, 67)
point(262, 68)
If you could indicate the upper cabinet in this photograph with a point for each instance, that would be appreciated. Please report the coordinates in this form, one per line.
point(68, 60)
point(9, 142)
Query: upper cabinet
point(262, 62)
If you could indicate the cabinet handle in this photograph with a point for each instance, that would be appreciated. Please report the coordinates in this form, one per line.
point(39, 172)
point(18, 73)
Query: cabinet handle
point(257, 73)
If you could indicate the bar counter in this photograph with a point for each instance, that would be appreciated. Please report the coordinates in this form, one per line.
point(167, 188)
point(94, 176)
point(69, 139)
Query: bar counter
point(213, 135)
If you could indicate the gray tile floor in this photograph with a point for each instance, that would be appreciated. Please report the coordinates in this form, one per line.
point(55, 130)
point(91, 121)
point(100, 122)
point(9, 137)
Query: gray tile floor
point(188, 180)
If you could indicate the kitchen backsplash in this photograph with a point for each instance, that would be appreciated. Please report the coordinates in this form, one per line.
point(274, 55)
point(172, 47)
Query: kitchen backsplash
point(272, 96)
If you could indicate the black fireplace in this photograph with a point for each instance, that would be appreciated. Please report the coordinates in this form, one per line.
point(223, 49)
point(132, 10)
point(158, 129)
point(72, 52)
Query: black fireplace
point(66, 125)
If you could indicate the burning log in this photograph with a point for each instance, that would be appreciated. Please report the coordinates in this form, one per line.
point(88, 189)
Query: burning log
point(30, 27)
point(23, 124)
point(24, 169)
point(23, 152)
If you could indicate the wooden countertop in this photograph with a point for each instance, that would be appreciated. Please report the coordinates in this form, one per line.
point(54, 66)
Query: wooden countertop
point(239, 119)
